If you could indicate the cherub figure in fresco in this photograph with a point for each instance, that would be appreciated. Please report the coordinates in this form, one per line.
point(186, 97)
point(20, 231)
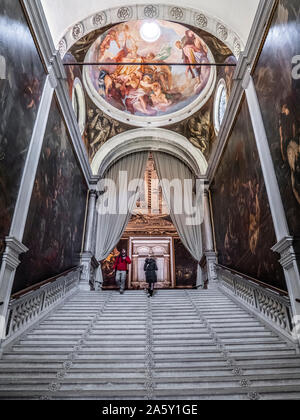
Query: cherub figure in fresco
point(147, 84)
point(159, 99)
point(160, 74)
point(123, 77)
point(105, 44)
point(131, 57)
point(127, 39)
point(138, 96)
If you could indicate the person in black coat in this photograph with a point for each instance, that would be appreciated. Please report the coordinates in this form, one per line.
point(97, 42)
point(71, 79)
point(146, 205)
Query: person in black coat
point(150, 269)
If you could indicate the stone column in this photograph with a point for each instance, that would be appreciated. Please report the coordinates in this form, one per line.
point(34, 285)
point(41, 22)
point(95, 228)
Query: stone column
point(285, 242)
point(209, 251)
point(167, 275)
point(89, 234)
point(88, 254)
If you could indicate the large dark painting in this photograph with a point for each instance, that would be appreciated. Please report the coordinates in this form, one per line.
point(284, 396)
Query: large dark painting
point(277, 82)
point(21, 83)
point(185, 266)
point(54, 227)
point(244, 226)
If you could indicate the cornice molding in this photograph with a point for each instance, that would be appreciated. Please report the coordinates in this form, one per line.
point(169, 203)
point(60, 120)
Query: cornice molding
point(243, 70)
point(14, 248)
point(127, 12)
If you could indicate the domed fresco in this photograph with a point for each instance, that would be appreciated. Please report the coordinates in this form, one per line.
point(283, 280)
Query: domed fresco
point(158, 93)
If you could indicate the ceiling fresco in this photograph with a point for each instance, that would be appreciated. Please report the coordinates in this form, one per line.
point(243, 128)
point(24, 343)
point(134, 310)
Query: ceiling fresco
point(100, 125)
point(149, 90)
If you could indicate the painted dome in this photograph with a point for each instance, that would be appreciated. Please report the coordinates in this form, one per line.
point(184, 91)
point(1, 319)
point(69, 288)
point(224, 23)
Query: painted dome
point(156, 94)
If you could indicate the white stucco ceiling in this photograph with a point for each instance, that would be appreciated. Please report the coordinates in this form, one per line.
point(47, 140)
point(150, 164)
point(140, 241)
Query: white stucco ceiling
point(238, 15)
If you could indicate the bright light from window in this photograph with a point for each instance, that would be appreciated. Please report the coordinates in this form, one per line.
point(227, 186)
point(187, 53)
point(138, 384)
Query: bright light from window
point(150, 31)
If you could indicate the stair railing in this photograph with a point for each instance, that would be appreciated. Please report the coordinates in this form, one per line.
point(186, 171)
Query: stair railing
point(270, 304)
point(28, 307)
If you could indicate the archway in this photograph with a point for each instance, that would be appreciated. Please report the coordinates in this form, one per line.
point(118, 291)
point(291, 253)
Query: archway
point(154, 139)
point(143, 236)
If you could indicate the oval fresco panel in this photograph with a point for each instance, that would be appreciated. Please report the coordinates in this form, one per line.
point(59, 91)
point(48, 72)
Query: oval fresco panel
point(149, 94)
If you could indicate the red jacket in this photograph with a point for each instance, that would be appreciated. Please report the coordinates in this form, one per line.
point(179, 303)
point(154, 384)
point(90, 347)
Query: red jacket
point(121, 264)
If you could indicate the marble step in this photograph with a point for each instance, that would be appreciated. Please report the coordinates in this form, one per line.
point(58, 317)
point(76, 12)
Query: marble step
point(140, 340)
point(188, 365)
point(110, 391)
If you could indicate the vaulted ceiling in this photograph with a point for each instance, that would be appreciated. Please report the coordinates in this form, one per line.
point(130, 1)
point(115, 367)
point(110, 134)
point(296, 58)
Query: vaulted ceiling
point(238, 15)
point(109, 101)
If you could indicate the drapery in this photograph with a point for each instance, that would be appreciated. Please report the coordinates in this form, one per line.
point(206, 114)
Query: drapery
point(181, 202)
point(121, 187)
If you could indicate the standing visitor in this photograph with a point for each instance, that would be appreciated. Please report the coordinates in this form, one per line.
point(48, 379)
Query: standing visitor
point(121, 267)
point(150, 269)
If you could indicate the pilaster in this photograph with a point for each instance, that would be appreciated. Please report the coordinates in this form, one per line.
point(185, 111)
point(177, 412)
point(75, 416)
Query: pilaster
point(209, 251)
point(10, 262)
point(290, 263)
point(88, 260)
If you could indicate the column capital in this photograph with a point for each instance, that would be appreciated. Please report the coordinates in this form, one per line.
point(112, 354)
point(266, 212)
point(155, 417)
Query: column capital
point(206, 192)
point(247, 78)
point(93, 193)
point(14, 248)
point(52, 77)
point(285, 247)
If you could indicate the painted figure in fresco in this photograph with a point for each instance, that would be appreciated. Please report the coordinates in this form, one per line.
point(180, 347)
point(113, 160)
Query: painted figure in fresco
point(194, 52)
point(198, 129)
point(103, 130)
point(99, 129)
point(148, 90)
point(126, 38)
point(158, 98)
point(161, 74)
point(105, 44)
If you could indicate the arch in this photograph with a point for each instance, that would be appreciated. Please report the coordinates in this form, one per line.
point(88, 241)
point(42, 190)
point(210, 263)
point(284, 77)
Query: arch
point(180, 14)
point(156, 139)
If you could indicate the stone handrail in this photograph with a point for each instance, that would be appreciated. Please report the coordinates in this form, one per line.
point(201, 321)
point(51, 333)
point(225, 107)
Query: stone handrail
point(272, 307)
point(25, 311)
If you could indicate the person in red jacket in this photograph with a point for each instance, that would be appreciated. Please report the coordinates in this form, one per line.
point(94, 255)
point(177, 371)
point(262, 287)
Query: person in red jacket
point(121, 267)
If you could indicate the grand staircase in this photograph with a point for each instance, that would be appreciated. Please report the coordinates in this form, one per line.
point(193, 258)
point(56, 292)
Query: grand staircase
point(178, 345)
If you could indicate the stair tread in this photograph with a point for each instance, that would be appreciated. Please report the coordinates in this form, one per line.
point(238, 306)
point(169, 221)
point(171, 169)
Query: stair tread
point(110, 362)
